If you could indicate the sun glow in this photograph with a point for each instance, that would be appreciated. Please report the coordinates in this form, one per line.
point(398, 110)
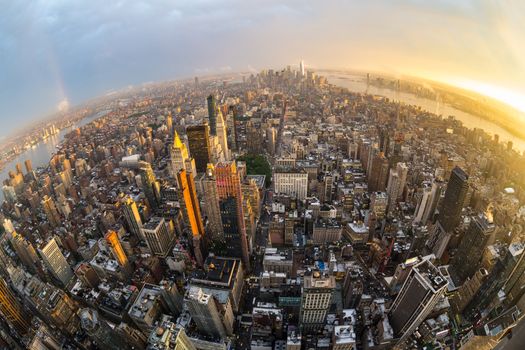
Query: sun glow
point(509, 97)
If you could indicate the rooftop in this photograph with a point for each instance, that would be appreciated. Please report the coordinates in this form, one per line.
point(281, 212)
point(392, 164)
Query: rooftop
point(259, 180)
point(218, 271)
point(317, 279)
point(344, 334)
point(272, 253)
point(431, 274)
point(144, 301)
point(153, 223)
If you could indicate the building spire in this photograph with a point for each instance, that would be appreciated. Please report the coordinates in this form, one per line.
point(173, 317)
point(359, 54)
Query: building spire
point(177, 143)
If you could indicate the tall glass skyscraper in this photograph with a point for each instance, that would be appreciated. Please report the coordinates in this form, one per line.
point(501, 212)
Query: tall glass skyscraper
point(212, 114)
point(199, 142)
point(232, 215)
point(455, 194)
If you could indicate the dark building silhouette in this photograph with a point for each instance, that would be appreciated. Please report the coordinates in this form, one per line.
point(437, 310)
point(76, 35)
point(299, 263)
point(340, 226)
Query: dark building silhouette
point(150, 185)
point(467, 258)
point(455, 194)
point(378, 176)
point(199, 142)
point(212, 114)
point(422, 290)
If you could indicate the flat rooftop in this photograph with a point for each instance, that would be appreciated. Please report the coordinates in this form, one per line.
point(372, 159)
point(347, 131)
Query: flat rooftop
point(431, 274)
point(344, 334)
point(272, 253)
point(219, 271)
point(153, 223)
point(259, 180)
point(144, 301)
point(318, 279)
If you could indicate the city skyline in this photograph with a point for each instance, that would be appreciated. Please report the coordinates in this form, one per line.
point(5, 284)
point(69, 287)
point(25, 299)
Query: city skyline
point(263, 175)
point(316, 216)
point(58, 54)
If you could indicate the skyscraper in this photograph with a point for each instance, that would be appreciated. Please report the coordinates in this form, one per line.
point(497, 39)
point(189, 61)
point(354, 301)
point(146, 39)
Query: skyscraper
point(150, 185)
point(230, 202)
point(50, 209)
point(56, 262)
point(467, 258)
point(132, 216)
point(515, 277)
point(301, 68)
point(423, 288)
point(455, 194)
point(396, 184)
point(180, 158)
point(189, 197)
point(438, 240)
point(211, 203)
point(293, 182)
point(25, 251)
point(316, 300)
point(199, 142)
point(212, 114)
point(12, 310)
point(100, 330)
point(192, 212)
point(437, 189)
point(423, 202)
point(169, 123)
point(159, 239)
point(222, 135)
point(378, 175)
point(116, 248)
point(205, 310)
point(464, 295)
point(29, 166)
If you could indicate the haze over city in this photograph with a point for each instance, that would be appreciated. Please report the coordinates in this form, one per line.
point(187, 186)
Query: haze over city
point(59, 53)
point(262, 175)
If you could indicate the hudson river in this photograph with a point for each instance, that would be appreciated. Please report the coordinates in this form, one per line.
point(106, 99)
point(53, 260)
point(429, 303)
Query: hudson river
point(357, 83)
point(41, 154)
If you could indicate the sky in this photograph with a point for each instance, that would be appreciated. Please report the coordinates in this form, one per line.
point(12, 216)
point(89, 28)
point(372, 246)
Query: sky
point(58, 53)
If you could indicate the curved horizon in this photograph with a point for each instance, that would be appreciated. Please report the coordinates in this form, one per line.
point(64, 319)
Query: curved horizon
point(54, 54)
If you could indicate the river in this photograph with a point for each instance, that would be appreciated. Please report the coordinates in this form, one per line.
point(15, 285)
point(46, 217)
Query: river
point(357, 83)
point(41, 154)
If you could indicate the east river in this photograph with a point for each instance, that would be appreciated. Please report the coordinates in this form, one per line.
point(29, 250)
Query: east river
point(357, 83)
point(41, 154)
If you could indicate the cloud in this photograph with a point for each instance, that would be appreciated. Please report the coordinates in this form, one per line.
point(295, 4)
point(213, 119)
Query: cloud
point(52, 49)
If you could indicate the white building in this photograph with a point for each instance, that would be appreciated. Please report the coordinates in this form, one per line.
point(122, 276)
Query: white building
point(293, 183)
point(159, 239)
point(222, 136)
point(316, 299)
point(396, 184)
point(344, 338)
point(180, 158)
point(205, 311)
point(56, 262)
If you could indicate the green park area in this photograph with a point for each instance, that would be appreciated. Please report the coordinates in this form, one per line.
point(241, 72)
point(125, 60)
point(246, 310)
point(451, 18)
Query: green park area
point(257, 164)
